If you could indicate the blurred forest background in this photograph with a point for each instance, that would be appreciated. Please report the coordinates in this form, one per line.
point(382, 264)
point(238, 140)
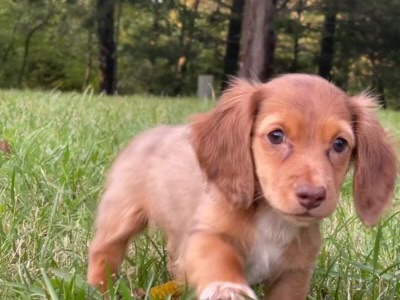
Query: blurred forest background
point(161, 46)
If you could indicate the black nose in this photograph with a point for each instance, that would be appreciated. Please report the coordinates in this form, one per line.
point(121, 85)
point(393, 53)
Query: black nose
point(310, 196)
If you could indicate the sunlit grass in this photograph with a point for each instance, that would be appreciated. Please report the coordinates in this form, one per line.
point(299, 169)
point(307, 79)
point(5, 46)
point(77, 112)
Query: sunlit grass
point(62, 146)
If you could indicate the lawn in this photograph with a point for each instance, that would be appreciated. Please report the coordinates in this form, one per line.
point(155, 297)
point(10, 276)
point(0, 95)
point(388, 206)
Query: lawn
point(62, 145)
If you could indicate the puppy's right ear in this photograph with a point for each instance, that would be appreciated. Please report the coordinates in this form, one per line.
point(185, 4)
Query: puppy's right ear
point(222, 142)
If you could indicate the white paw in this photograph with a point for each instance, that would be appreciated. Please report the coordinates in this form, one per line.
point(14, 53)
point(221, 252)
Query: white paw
point(227, 291)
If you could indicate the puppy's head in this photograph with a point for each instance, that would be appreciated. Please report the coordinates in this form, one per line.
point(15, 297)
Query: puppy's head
point(296, 137)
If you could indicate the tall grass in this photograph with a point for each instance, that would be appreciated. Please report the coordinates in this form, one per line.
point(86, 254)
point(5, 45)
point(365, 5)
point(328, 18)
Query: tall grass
point(62, 146)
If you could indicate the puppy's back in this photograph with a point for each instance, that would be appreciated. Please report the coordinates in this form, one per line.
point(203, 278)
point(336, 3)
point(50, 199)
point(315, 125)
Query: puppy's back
point(158, 174)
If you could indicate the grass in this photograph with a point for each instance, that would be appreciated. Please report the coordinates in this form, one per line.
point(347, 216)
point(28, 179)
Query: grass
point(62, 146)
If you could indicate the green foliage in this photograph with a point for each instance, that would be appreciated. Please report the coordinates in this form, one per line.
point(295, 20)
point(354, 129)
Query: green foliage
point(164, 45)
point(54, 36)
point(62, 146)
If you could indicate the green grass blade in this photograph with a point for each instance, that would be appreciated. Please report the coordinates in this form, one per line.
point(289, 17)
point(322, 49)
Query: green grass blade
point(49, 286)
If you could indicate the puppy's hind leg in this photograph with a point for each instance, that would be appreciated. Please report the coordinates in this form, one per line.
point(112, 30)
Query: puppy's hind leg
point(119, 217)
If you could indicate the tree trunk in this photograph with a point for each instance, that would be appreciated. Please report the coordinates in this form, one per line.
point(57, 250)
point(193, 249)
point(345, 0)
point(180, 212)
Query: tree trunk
point(186, 38)
point(328, 42)
point(231, 60)
point(107, 46)
point(27, 45)
point(258, 43)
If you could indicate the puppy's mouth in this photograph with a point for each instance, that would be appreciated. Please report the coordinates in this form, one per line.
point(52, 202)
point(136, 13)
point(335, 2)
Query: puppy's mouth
point(301, 215)
point(304, 218)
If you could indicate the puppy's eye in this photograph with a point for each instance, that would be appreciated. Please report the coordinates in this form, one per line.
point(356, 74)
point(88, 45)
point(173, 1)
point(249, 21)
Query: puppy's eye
point(276, 137)
point(339, 145)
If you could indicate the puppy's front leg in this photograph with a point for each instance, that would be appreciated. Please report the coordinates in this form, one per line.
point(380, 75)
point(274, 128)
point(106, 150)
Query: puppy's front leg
point(291, 285)
point(215, 268)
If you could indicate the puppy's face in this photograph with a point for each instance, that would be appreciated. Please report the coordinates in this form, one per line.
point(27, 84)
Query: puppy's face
point(295, 136)
point(302, 146)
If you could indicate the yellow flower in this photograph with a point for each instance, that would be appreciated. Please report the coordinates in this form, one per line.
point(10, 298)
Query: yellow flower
point(162, 291)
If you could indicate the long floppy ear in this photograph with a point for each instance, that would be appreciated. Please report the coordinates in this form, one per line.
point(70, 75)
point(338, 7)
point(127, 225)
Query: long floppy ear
point(375, 161)
point(222, 142)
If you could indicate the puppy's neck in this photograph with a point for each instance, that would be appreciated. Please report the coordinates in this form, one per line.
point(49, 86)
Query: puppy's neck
point(272, 235)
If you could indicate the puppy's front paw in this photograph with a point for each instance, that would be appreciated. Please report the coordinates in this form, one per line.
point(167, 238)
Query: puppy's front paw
point(227, 291)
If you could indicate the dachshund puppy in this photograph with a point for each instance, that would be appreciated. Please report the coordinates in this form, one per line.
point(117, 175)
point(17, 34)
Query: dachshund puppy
point(240, 192)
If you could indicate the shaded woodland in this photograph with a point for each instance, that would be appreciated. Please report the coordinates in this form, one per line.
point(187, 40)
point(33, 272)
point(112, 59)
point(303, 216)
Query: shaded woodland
point(161, 46)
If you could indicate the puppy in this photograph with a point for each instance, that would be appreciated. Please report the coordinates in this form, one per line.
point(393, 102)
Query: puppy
point(240, 192)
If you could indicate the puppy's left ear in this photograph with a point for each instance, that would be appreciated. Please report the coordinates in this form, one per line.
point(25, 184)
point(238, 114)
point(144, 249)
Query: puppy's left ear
point(375, 161)
point(222, 142)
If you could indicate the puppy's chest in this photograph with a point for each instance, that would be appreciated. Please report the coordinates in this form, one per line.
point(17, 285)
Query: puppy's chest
point(272, 236)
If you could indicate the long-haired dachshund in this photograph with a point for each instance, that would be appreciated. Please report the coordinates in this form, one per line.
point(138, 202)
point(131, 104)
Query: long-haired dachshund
point(240, 192)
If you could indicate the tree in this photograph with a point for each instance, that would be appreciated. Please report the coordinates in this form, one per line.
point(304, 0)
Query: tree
point(369, 40)
point(188, 17)
point(328, 40)
point(27, 44)
point(107, 46)
point(164, 45)
point(259, 40)
point(231, 59)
